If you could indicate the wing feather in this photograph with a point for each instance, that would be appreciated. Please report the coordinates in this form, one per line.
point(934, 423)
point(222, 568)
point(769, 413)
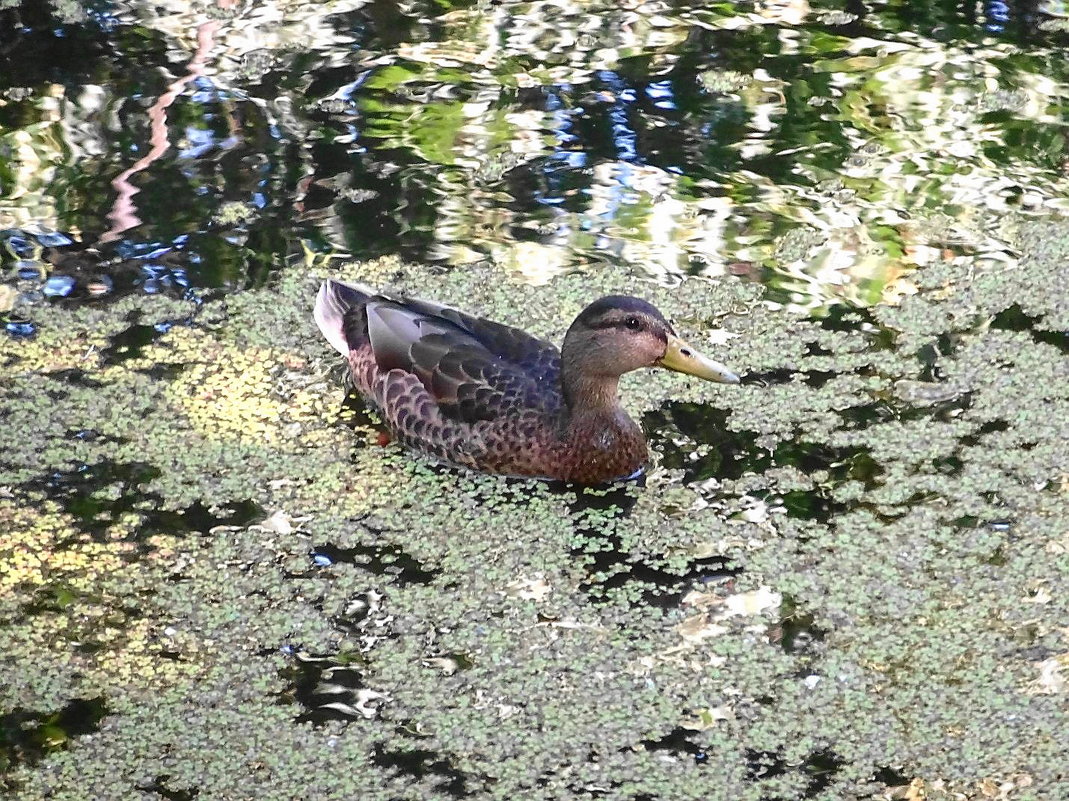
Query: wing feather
point(475, 369)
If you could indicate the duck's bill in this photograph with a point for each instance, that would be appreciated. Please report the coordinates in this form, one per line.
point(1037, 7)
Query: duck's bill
point(682, 358)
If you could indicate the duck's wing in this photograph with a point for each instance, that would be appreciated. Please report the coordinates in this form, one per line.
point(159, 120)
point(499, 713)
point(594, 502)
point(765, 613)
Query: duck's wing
point(538, 359)
point(474, 369)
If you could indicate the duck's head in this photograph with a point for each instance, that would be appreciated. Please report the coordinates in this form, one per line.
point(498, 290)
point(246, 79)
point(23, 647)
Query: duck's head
point(618, 334)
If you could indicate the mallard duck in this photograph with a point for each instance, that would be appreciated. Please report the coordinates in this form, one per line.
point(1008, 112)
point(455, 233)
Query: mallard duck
point(483, 395)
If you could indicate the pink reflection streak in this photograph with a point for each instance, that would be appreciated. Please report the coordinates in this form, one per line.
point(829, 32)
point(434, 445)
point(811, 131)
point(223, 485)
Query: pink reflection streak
point(123, 214)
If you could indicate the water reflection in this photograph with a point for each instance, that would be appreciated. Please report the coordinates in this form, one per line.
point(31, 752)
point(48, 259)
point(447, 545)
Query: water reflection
point(827, 153)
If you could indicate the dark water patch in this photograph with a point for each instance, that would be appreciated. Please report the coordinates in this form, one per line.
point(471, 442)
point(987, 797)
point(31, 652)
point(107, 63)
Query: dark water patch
point(818, 378)
point(129, 343)
point(816, 349)
point(858, 321)
point(81, 491)
point(729, 455)
point(1014, 318)
point(422, 764)
point(360, 612)
point(27, 737)
point(732, 454)
point(947, 466)
point(990, 427)
point(356, 411)
point(91, 435)
point(766, 378)
point(867, 414)
point(328, 688)
point(616, 499)
point(930, 354)
point(805, 504)
point(612, 571)
point(39, 46)
point(796, 632)
point(163, 371)
point(837, 466)
point(728, 452)
point(89, 647)
point(994, 426)
point(75, 377)
point(158, 786)
point(891, 777)
point(925, 401)
point(678, 742)
point(818, 770)
point(54, 598)
point(98, 495)
point(787, 375)
point(200, 518)
point(332, 686)
point(381, 559)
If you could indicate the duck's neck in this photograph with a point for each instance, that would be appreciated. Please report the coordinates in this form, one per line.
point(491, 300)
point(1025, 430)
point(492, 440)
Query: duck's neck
point(593, 411)
point(590, 394)
point(600, 441)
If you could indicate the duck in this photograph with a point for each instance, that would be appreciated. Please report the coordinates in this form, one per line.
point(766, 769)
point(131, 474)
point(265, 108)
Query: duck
point(479, 394)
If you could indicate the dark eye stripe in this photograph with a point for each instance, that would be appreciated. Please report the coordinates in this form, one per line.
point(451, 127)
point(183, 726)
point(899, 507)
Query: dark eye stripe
point(616, 322)
point(620, 323)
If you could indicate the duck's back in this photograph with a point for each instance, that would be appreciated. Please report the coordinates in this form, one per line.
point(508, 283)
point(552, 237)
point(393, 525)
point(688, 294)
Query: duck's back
point(464, 389)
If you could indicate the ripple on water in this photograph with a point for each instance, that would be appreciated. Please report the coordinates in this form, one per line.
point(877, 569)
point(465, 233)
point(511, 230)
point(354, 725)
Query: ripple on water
point(539, 139)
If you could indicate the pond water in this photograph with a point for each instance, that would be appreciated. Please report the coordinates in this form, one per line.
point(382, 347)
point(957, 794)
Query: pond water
point(842, 579)
point(824, 151)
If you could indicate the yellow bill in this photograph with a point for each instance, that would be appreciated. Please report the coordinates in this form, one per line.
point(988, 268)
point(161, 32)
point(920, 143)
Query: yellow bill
point(682, 358)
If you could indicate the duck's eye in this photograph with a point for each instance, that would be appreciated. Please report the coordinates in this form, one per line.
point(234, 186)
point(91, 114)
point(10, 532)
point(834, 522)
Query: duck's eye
point(633, 323)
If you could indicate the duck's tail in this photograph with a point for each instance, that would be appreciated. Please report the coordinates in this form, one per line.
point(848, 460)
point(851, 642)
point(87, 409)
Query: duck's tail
point(333, 313)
